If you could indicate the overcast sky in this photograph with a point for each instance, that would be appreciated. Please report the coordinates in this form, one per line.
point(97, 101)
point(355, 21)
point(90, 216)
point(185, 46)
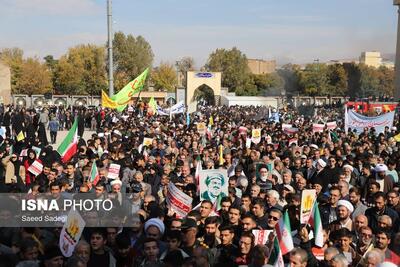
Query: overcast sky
point(286, 30)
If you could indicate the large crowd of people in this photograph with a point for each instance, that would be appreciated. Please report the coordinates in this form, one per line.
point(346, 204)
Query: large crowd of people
point(356, 178)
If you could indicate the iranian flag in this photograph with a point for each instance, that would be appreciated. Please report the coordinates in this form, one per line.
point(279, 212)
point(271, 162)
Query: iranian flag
point(316, 224)
point(69, 145)
point(94, 174)
point(275, 258)
point(284, 234)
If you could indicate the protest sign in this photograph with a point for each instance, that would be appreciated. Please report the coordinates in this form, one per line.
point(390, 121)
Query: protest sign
point(256, 136)
point(358, 122)
point(71, 233)
point(36, 168)
point(261, 236)
point(201, 128)
point(147, 141)
point(213, 183)
point(178, 201)
point(113, 171)
point(318, 128)
point(308, 196)
point(331, 125)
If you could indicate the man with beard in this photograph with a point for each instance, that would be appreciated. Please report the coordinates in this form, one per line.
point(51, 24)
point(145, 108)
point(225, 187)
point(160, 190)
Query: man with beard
point(214, 187)
point(320, 175)
point(364, 241)
point(344, 210)
point(355, 199)
point(382, 241)
point(384, 181)
point(379, 210)
point(209, 239)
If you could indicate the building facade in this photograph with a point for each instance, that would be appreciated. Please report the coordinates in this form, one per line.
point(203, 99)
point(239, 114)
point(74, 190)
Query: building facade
point(371, 59)
point(259, 66)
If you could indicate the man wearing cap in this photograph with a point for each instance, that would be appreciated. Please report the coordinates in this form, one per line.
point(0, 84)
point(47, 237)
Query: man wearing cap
point(344, 210)
point(384, 180)
point(189, 240)
point(214, 188)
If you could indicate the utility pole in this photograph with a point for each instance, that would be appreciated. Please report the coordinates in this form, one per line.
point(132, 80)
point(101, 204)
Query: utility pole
point(110, 50)
point(397, 64)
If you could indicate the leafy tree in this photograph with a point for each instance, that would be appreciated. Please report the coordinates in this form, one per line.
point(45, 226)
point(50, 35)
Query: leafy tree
point(386, 81)
point(82, 71)
point(268, 84)
point(235, 72)
point(314, 80)
point(369, 81)
point(52, 66)
point(337, 77)
point(13, 57)
point(131, 57)
point(164, 77)
point(184, 65)
point(35, 78)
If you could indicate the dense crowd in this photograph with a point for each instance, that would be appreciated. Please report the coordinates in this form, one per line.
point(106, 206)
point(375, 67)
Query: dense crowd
point(356, 178)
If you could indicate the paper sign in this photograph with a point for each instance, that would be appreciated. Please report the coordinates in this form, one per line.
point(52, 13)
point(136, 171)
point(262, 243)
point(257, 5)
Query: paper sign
point(248, 142)
point(256, 136)
point(71, 233)
point(242, 130)
point(308, 196)
point(113, 171)
point(213, 184)
point(3, 132)
point(178, 201)
point(261, 236)
point(293, 141)
point(147, 141)
point(318, 128)
point(36, 168)
point(201, 128)
point(331, 125)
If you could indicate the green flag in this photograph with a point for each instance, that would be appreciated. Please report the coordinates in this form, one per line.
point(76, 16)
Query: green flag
point(123, 97)
point(153, 106)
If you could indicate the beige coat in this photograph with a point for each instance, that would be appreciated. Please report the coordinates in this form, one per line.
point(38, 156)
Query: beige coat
point(9, 167)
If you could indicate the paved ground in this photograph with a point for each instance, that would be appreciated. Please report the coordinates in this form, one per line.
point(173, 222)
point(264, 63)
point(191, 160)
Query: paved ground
point(61, 135)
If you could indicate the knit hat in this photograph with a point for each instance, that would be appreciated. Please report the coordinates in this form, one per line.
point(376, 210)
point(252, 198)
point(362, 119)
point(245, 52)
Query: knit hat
point(155, 222)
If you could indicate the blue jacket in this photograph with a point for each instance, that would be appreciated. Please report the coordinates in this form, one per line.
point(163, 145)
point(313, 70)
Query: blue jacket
point(53, 126)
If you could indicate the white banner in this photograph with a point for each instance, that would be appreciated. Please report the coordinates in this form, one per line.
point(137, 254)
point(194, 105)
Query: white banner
point(331, 125)
point(318, 128)
point(113, 171)
point(71, 233)
point(162, 112)
point(178, 201)
point(358, 122)
point(36, 168)
point(178, 108)
point(308, 196)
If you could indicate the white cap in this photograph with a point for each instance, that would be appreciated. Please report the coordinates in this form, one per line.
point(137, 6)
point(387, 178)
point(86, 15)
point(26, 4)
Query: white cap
point(347, 204)
point(314, 146)
point(115, 182)
point(322, 163)
point(381, 168)
point(347, 166)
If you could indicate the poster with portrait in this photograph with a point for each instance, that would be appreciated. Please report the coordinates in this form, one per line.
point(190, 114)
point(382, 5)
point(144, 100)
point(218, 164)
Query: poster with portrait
point(308, 197)
point(256, 136)
point(213, 184)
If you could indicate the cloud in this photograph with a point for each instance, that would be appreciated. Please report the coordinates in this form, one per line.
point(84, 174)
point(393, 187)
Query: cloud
point(50, 7)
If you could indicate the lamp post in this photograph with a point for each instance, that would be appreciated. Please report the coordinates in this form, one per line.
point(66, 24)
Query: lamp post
point(110, 50)
point(397, 64)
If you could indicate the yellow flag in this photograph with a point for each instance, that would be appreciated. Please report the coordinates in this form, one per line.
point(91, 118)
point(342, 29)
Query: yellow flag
point(20, 136)
point(221, 155)
point(153, 106)
point(211, 121)
point(397, 137)
point(107, 102)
